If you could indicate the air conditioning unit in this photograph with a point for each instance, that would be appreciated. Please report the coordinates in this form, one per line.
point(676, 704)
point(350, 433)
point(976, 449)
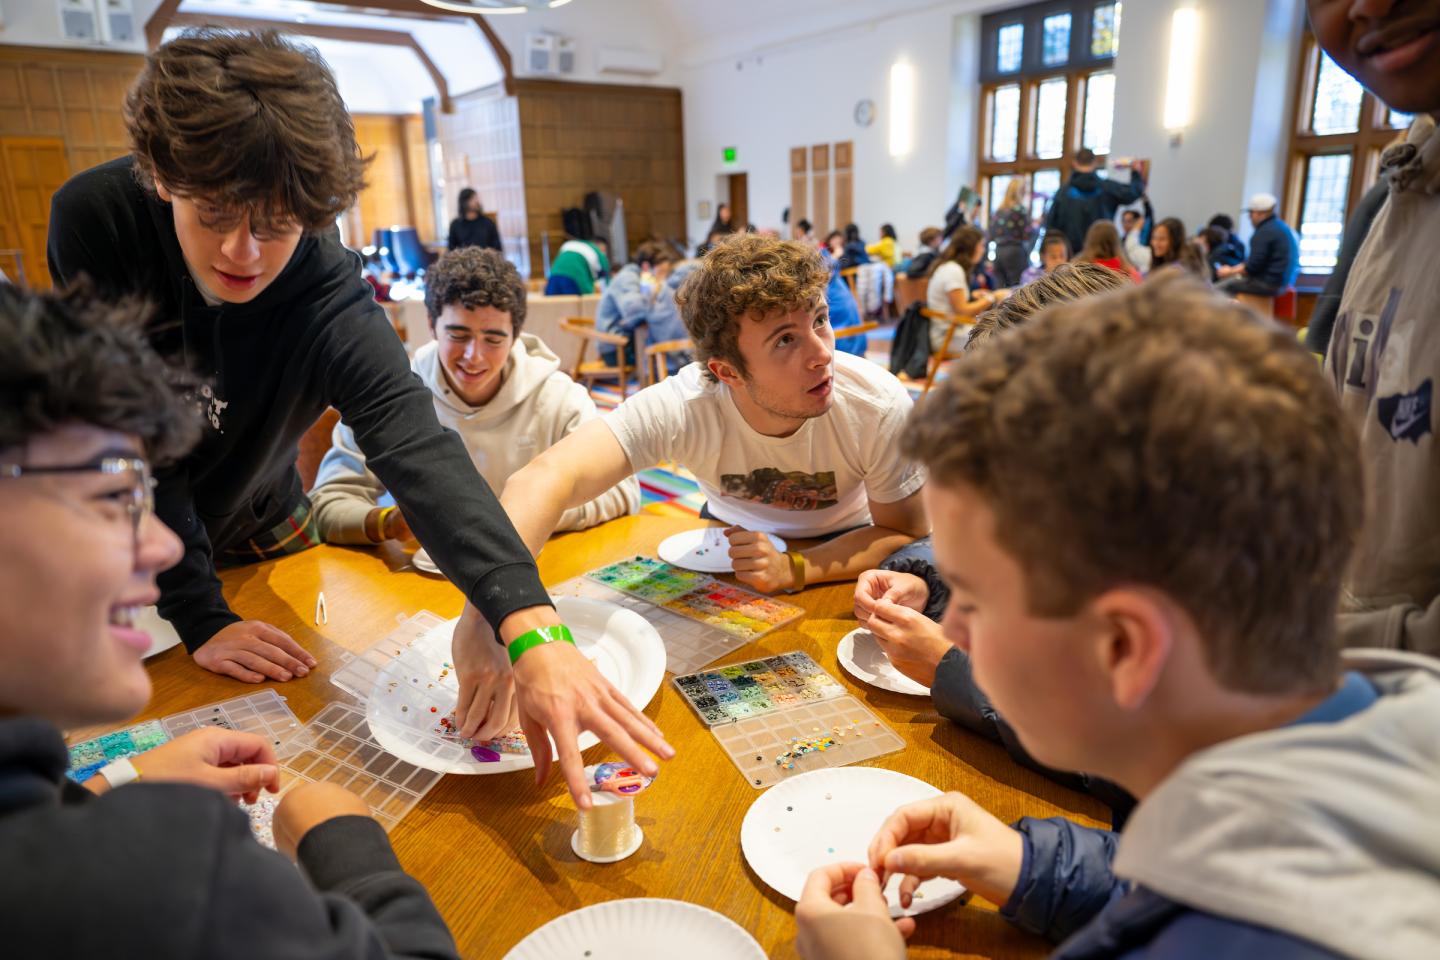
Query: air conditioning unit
point(117, 21)
point(643, 63)
point(80, 21)
point(540, 58)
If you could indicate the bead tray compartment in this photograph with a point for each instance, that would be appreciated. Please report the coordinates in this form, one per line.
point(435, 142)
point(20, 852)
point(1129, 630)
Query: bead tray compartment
point(783, 716)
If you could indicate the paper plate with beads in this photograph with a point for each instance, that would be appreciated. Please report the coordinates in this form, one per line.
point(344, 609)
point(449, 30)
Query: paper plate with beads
point(410, 707)
point(830, 816)
point(706, 550)
point(861, 656)
point(641, 928)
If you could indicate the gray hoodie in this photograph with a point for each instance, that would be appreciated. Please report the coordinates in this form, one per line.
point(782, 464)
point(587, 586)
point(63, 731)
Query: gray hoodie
point(535, 407)
point(1329, 832)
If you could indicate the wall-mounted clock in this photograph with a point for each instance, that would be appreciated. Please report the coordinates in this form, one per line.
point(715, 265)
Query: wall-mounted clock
point(865, 113)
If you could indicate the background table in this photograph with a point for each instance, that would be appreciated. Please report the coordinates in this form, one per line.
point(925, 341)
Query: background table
point(494, 851)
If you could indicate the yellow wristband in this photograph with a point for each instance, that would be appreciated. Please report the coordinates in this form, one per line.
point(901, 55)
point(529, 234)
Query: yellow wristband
point(797, 570)
point(380, 526)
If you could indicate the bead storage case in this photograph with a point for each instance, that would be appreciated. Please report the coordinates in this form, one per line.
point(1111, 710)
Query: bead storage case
point(701, 619)
point(784, 715)
point(262, 713)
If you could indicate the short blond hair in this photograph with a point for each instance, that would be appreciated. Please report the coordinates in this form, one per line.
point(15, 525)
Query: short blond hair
point(1067, 282)
point(746, 275)
point(1163, 436)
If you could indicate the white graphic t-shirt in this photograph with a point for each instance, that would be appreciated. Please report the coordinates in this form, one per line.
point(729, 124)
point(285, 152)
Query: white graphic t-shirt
point(817, 481)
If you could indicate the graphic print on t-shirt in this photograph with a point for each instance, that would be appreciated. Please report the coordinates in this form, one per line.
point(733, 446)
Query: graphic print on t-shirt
point(789, 490)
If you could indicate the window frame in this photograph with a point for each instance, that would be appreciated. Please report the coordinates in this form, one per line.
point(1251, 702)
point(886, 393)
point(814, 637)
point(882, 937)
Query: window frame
point(1363, 146)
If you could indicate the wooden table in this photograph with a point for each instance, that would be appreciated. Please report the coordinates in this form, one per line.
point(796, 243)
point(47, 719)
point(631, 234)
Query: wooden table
point(494, 851)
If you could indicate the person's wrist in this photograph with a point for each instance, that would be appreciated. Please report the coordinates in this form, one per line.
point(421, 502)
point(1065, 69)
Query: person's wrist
point(539, 637)
point(798, 573)
point(372, 525)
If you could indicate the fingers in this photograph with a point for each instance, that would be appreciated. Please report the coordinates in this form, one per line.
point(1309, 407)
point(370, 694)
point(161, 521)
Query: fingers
point(898, 828)
point(906, 926)
point(498, 719)
point(468, 688)
point(231, 668)
point(866, 894)
point(572, 765)
point(229, 747)
point(908, 886)
point(539, 745)
point(825, 884)
point(257, 661)
point(247, 780)
point(303, 660)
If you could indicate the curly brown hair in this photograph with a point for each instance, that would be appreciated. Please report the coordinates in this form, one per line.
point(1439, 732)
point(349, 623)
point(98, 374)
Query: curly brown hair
point(1068, 281)
point(246, 122)
point(746, 275)
point(69, 357)
point(474, 277)
point(1163, 436)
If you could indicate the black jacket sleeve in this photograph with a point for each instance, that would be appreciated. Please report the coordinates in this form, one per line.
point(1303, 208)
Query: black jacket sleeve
point(452, 242)
point(1322, 321)
point(1123, 193)
point(190, 595)
point(446, 502)
point(491, 238)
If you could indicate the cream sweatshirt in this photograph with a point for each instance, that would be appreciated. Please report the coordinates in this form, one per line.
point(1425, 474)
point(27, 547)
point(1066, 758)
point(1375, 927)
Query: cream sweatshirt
point(536, 406)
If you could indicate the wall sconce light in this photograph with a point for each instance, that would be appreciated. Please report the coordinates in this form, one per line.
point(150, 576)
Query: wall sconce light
point(1183, 67)
point(902, 108)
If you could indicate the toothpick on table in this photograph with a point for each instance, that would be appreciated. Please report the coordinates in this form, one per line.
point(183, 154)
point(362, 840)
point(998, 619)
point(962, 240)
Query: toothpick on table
point(322, 615)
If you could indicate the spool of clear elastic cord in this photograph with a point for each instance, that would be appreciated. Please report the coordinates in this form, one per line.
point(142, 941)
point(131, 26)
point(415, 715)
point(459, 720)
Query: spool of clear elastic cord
point(608, 832)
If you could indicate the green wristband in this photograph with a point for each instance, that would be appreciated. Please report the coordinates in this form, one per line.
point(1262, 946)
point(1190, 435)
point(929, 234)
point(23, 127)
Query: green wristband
point(539, 637)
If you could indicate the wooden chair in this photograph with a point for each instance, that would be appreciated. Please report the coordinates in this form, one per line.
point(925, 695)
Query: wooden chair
point(849, 274)
point(314, 445)
point(657, 358)
point(588, 373)
point(856, 330)
point(938, 357)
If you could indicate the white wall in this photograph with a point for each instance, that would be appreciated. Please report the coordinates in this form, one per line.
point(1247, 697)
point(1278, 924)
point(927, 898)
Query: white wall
point(804, 92)
point(1237, 143)
point(37, 23)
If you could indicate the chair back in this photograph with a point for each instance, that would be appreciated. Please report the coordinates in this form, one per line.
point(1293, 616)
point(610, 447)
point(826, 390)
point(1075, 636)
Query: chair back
point(657, 357)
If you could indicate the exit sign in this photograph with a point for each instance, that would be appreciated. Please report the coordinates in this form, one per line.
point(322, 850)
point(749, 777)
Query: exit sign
point(731, 154)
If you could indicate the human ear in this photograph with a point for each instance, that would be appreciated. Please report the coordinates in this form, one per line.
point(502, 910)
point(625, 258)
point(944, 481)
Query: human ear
point(1137, 635)
point(723, 372)
point(162, 191)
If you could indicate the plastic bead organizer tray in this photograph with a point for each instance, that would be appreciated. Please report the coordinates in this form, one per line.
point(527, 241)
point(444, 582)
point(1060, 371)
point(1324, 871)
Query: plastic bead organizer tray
point(782, 716)
point(262, 713)
point(701, 619)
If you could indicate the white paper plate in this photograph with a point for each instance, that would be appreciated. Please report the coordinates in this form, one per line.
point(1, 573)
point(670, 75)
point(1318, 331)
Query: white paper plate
point(162, 634)
point(624, 647)
point(706, 550)
point(639, 929)
point(861, 656)
point(421, 561)
point(830, 816)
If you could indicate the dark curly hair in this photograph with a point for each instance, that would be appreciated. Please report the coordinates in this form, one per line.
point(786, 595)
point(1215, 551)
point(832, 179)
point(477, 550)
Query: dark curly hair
point(247, 122)
point(1162, 436)
point(475, 277)
point(746, 275)
point(71, 358)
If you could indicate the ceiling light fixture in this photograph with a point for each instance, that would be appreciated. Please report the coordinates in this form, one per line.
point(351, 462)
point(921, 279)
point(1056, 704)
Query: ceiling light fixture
point(495, 6)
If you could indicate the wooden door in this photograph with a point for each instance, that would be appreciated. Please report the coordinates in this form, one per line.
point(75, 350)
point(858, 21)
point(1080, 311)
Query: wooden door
point(844, 185)
point(799, 185)
point(820, 189)
point(31, 170)
point(739, 200)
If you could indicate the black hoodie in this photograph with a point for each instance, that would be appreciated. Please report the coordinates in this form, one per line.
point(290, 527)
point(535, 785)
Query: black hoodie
point(1086, 198)
point(314, 338)
point(169, 870)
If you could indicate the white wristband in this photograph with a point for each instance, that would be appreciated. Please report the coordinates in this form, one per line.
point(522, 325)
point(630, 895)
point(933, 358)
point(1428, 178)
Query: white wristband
point(119, 772)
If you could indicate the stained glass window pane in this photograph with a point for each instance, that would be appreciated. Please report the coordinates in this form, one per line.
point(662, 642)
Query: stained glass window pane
point(1010, 47)
point(1005, 123)
point(1055, 39)
point(1337, 100)
point(1050, 118)
point(1105, 30)
point(1327, 182)
point(1398, 120)
point(1099, 111)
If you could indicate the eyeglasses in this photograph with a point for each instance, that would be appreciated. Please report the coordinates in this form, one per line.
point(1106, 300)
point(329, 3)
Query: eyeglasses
point(141, 500)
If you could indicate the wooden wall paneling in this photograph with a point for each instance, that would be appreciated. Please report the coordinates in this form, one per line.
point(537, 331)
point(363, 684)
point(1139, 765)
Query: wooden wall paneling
point(820, 188)
point(31, 170)
point(385, 201)
point(417, 176)
point(581, 137)
point(799, 185)
point(844, 185)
